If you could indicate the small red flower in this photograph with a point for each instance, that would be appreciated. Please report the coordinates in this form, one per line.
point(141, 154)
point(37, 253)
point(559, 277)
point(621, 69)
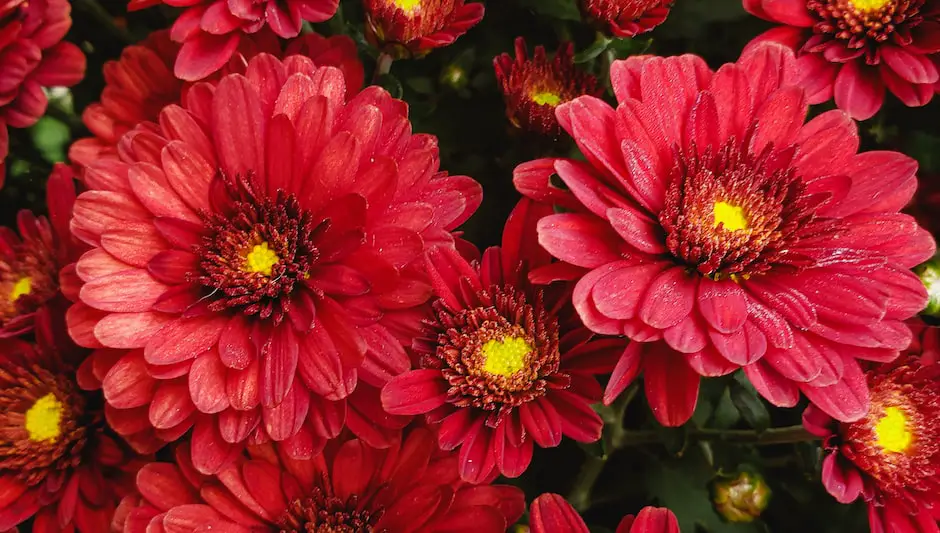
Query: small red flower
point(719, 231)
point(404, 28)
point(408, 488)
point(504, 365)
point(853, 50)
point(550, 513)
point(211, 30)
point(626, 18)
point(33, 56)
point(891, 456)
point(533, 88)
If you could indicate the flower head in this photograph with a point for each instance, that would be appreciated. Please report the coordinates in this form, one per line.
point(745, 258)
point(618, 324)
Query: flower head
point(404, 28)
point(352, 487)
point(258, 256)
point(504, 365)
point(533, 88)
point(550, 513)
point(742, 497)
point(855, 49)
point(891, 456)
point(716, 229)
point(626, 18)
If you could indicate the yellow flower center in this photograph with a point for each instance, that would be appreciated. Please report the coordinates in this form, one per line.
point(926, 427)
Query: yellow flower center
point(21, 288)
point(407, 5)
point(261, 259)
point(869, 5)
point(731, 216)
point(892, 433)
point(44, 418)
point(546, 98)
point(505, 357)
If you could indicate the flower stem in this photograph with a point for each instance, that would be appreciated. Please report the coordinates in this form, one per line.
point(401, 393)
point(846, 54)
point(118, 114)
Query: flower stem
point(781, 435)
point(382, 66)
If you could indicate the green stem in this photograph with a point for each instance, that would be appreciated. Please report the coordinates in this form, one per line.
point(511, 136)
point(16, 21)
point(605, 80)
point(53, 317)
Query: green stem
point(782, 435)
point(102, 17)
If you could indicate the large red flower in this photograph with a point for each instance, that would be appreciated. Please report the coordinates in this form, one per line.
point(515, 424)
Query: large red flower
point(891, 457)
point(626, 18)
point(33, 56)
point(408, 488)
point(550, 513)
point(405, 28)
point(59, 464)
point(211, 30)
point(257, 254)
point(504, 365)
point(141, 83)
point(853, 50)
point(719, 231)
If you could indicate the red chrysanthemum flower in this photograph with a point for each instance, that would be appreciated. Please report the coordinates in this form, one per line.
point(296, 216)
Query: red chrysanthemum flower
point(719, 231)
point(141, 83)
point(412, 28)
point(33, 56)
point(353, 487)
point(891, 457)
point(533, 88)
point(550, 513)
point(625, 18)
point(257, 254)
point(504, 365)
point(854, 49)
point(59, 464)
point(211, 30)
point(30, 262)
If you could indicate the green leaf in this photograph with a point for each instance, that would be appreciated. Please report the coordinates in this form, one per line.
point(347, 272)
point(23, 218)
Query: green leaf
point(50, 136)
point(749, 404)
point(597, 48)
point(391, 84)
point(726, 414)
point(559, 9)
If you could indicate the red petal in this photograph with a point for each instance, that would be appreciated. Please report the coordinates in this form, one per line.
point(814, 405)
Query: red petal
point(671, 386)
point(415, 392)
point(550, 513)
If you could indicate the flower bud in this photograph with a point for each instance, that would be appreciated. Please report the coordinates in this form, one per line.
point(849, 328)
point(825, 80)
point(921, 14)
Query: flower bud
point(929, 274)
point(741, 498)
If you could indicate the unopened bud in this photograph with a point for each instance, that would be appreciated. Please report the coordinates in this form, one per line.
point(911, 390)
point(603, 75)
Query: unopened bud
point(741, 498)
point(929, 274)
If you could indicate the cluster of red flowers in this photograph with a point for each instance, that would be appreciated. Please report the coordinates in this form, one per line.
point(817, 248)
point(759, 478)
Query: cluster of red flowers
point(258, 273)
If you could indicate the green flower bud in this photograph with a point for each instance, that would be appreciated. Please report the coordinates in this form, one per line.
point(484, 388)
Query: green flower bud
point(740, 498)
point(929, 274)
point(455, 76)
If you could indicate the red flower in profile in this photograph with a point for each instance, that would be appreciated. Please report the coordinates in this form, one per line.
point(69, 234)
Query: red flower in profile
point(412, 28)
point(211, 30)
point(719, 231)
point(258, 256)
point(59, 464)
point(33, 56)
point(141, 83)
point(503, 365)
point(891, 456)
point(550, 513)
point(533, 88)
point(30, 262)
point(352, 487)
point(626, 18)
point(853, 50)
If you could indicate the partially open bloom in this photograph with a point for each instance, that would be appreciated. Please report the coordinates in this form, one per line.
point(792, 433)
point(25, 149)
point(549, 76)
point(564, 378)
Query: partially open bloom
point(32, 56)
point(30, 260)
point(550, 513)
point(891, 456)
point(741, 497)
point(412, 28)
point(504, 365)
point(533, 88)
point(211, 30)
point(854, 49)
point(258, 255)
point(626, 18)
point(718, 231)
point(59, 464)
point(408, 488)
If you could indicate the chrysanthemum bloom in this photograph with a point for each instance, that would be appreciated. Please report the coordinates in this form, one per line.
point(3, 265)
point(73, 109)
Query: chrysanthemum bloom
point(58, 461)
point(30, 261)
point(533, 88)
point(33, 56)
point(550, 513)
point(211, 30)
point(141, 83)
point(503, 365)
point(891, 457)
point(854, 49)
point(408, 488)
point(412, 28)
point(719, 231)
point(257, 253)
point(626, 18)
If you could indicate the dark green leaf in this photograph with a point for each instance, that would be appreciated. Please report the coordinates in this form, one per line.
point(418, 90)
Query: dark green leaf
point(559, 9)
point(749, 404)
point(597, 48)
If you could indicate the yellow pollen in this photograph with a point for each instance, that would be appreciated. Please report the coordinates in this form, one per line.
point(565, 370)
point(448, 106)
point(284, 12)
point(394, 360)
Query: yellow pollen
point(44, 418)
point(261, 259)
point(732, 216)
point(869, 5)
point(505, 357)
point(407, 5)
point(546, 98)
point(21, 288)
point(891, 432)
